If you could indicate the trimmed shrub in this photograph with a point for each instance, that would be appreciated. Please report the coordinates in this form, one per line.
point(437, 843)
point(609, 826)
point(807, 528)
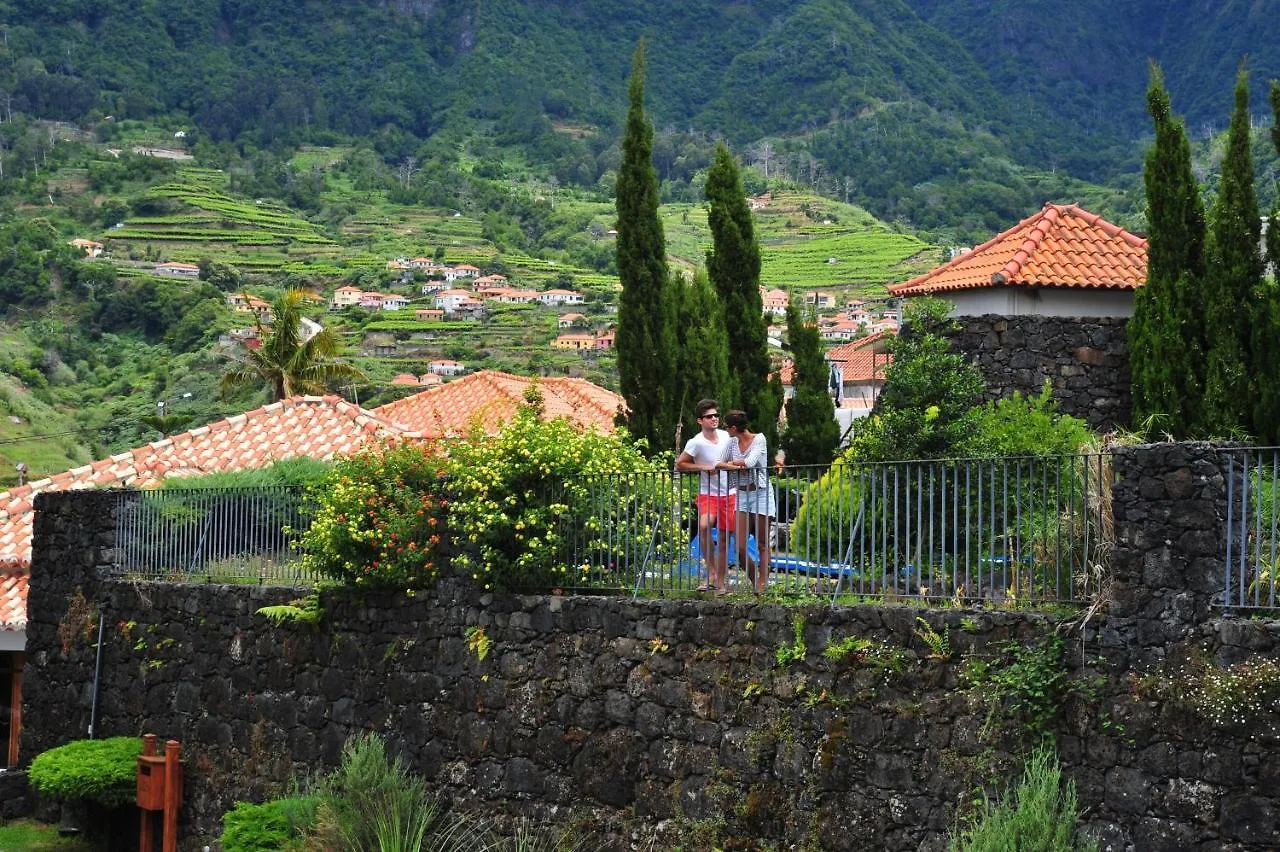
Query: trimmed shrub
point(274, 825)
point(101, 771)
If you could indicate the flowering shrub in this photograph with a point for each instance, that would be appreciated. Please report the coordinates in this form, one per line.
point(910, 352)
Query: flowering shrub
point(519, 497)
point(1240, 695)
point(377, 519)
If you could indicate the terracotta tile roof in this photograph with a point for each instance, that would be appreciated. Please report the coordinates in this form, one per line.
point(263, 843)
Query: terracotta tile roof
point(13, 600)
point(491, 398)
point(863, 360)
point(1061, 246)
point(319, 427)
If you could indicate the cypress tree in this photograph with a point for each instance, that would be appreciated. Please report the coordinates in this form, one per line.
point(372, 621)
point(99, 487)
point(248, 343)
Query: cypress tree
point(1166, 333)
point(733, 264)
point(812, 433)
point(1265, 374)
point(704, 348)
point(1231, 284)
point(646, 341)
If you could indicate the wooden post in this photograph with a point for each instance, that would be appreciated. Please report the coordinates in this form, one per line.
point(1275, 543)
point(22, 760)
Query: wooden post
point(15, 706)
point(172, 795)
point(146, 836)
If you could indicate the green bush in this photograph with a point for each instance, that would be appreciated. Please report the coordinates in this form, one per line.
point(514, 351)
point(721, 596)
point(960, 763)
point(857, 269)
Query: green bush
point(1026, 426)
point(102, 771)
point(274, 825)
point(377, 519)
point(1038, 815)
point(372, 802)
point(518, 498)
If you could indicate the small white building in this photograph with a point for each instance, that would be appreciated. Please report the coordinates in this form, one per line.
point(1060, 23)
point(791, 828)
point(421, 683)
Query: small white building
point(445, 367)
point(177, 269)
point(455, 273)
point(1061, 262)
point(449, 300)
point(561, 297)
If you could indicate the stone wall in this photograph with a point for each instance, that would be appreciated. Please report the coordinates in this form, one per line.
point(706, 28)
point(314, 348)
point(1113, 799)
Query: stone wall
point(1086, 360)
point(667, 722)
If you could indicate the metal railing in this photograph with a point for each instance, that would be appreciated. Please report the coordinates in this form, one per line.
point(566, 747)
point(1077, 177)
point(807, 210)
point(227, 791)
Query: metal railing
point(227, 535)
point(1008, 529)
point(1252, 545)
point(1002, 530)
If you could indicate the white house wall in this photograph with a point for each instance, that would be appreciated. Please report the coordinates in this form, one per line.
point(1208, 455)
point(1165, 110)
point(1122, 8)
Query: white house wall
point(1041, 301)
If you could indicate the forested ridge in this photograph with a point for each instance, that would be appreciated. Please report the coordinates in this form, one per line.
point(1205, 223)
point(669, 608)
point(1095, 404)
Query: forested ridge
point(324, 138)
point(924, 111)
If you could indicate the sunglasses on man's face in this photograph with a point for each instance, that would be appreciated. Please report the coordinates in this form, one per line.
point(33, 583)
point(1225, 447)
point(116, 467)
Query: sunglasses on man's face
point(709, 415)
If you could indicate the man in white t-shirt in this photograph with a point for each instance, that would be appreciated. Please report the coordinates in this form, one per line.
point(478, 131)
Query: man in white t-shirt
point(702, 453)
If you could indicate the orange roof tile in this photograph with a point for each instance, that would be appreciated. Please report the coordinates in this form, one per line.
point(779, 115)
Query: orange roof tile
point(864, 359)
point(1060, 246)
point(320, 427)
point(13, 601)
point(490, 398)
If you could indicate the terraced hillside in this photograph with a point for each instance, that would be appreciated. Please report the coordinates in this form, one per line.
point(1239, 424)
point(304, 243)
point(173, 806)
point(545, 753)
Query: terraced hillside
point(201, 219)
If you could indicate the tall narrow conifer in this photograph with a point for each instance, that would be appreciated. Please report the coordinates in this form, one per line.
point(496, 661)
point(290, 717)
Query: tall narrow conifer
point(1265, 374)
point(704, 350)
point(646, 341)
point(1166, 333)
point(812, 433)
point(734, 266)
point(1232, 281)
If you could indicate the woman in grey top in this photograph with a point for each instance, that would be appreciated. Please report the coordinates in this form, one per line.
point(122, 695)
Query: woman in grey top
point(757, 506)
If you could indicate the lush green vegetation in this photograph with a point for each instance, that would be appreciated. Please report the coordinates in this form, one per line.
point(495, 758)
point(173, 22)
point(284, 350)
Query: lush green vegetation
point(1040, 812)
point(101, 771)
point(26, 836)
point(370, 801)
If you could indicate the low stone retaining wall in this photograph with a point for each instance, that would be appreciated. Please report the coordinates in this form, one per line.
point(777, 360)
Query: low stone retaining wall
point(669, 722)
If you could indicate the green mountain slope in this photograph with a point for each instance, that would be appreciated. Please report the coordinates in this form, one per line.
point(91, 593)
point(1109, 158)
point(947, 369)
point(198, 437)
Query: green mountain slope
point(887, 95)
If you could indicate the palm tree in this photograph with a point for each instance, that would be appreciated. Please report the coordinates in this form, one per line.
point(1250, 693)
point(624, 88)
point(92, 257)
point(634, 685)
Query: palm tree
point(290, 363)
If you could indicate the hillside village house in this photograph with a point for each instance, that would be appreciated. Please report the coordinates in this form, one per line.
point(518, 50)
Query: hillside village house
point(561, 297)
point(512, 297)
point(606, 339)
point(1061, 262)
point(469, 310)
point(485, 282)
point(89, 247)
point(410, 380)
point(819, 299)
point(841, 329)
point(575, 341)
point(571, 320)
point(775, 302)
point(178, 270)
point(449, 300)
point(345, 297)
point(312, 426)
point(429, 314)
point(465, 270)
point(446, 367)
point(858, 371)
point(246, 303)
point(392, 302)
